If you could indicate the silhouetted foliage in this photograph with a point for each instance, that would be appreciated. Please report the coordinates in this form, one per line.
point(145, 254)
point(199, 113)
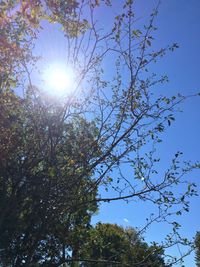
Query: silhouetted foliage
point(197, 247)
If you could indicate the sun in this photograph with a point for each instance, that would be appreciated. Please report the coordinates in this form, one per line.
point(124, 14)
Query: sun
point(58, 79)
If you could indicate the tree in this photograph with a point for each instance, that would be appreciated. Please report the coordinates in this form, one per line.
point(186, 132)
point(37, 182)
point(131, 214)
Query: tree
point(20, 22)
point(56, 153)
point(42, 167)
point(197, 247)
point(114, 244)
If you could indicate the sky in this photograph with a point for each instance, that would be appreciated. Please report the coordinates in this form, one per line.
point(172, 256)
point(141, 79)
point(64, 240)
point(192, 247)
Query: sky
point(177, 21)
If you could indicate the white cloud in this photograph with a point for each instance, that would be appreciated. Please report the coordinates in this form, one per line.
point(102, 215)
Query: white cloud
point(126, 220)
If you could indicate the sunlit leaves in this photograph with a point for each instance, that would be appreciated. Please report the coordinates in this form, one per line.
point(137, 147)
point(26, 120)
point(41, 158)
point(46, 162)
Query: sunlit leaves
point(20, 22)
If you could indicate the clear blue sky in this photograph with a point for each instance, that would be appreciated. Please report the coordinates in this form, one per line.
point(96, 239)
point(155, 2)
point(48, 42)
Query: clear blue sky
point(177, 21)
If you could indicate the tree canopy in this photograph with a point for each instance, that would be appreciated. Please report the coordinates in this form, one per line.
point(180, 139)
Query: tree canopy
point(43, 177)
point(114, 244)
point(63, 156)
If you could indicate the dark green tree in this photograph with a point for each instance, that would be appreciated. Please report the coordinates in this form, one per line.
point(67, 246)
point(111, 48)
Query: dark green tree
point(43, 179)
point(112, 245)
point(197, 249)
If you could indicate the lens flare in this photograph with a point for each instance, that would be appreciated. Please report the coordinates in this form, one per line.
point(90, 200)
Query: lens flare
point(58, 79)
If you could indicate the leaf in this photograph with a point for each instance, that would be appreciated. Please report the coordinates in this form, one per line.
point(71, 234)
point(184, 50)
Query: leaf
point(148, 42)
point(136, 33)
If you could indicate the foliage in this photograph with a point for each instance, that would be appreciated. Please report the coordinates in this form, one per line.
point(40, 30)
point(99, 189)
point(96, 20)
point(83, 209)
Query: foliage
point(20, 22)
point(42, 169)
point(197, 247)
point(60, 158)
point(114, 244)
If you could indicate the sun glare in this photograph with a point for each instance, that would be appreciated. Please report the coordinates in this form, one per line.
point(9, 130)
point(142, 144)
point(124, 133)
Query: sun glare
point(58, 80)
